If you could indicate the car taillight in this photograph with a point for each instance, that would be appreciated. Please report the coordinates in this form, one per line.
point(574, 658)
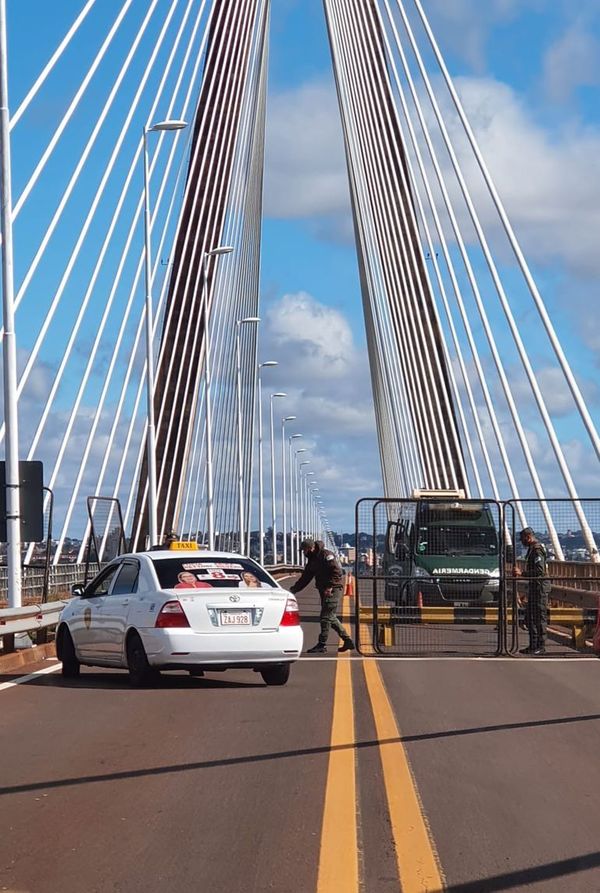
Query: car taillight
point(170, 616)
point(291, 615)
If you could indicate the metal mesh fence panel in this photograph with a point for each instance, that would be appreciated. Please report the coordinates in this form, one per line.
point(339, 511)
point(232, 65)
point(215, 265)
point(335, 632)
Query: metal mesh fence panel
point(429, 576)
point(35, 571)
point(107, 535)
point(552, 597)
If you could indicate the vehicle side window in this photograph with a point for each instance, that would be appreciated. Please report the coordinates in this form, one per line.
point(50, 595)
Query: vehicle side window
point(392, 538)
point(127, 579)
point(101, 584)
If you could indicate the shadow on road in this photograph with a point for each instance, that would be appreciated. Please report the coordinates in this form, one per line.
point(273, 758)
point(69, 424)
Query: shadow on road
point(525, 876)
point(119, 680)
point(287, 754)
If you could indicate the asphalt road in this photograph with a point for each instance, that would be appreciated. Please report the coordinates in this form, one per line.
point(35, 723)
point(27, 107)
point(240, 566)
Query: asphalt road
point(224, 784)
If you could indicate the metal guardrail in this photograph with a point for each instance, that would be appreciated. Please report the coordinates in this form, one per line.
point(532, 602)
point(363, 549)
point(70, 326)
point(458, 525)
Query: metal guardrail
point(27, 619)
point(282, 570)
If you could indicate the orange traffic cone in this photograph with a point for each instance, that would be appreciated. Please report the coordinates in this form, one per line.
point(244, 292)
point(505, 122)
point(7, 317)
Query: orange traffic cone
point(420, 600)
point(349, 588)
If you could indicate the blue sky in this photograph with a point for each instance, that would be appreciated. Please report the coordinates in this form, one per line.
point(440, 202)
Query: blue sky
point(529, 74)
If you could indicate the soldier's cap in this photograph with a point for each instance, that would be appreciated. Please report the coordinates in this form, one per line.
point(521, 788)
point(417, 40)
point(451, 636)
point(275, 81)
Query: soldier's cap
point(527, 531)
point(307, 544)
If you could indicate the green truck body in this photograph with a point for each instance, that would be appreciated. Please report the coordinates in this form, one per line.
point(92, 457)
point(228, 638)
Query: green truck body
point(443, 550)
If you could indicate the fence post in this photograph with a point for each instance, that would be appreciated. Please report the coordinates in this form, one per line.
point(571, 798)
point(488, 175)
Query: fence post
point(596, 638)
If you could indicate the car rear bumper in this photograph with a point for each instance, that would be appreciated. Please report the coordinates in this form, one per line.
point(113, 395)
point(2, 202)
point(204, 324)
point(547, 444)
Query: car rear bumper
point(183, 647)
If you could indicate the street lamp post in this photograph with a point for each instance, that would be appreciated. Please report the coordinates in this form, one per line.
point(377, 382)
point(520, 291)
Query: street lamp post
point(293, 518)
point(307, 531)
point(314, 517)
point(296, 508)
point(273, 500)
point(239, 324)
point(13, 502)
point(301, 532)
point(288, 418)
point(161, 126)
point(261, 516)
point(210, 512)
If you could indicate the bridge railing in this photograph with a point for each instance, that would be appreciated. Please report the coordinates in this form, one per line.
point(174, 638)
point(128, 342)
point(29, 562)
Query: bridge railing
point(61, 578)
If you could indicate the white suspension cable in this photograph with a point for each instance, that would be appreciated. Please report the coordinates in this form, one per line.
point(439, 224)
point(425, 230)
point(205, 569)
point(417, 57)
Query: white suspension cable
point(538, 300)
point(50, 64)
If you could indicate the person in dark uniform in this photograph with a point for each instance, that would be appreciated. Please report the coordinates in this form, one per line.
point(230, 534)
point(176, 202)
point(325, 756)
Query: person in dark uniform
point(168, 539)
point(325, 569)
point(538, 590)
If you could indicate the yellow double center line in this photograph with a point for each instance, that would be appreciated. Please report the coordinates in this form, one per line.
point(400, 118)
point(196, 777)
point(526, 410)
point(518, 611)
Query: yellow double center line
point(417, 863)
point(418, 868)
point(338, 863)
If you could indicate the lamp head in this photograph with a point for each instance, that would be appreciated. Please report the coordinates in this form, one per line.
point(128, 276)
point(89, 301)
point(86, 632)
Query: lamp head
point(289, 418)
point(268, 363)
point(278, 394)
point(217, 252)
point(248, 319)
point(167, 125)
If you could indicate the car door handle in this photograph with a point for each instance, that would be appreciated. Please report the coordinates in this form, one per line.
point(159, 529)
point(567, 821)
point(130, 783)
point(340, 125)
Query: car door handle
point(126, 602)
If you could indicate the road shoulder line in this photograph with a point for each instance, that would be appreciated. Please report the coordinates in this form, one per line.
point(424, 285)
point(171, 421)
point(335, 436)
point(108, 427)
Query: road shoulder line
point(30, 676)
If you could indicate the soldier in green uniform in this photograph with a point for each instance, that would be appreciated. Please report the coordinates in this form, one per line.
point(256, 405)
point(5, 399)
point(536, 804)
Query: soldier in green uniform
point(323, 566)
point(536, 612)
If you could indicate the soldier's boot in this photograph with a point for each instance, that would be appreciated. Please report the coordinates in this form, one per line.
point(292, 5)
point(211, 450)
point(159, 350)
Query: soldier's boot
point(347, 646)
point(319, 648)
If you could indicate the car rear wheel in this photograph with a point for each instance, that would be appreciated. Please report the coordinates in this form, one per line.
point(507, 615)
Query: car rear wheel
point(140, 671)
point(276, 675)
point(65, 651)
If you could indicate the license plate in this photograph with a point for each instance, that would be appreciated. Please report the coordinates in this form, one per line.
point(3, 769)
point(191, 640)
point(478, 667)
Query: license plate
point(235, 618)
point(461, 604)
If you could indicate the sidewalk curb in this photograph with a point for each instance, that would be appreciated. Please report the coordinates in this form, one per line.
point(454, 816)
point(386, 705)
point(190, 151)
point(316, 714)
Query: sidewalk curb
point(17, 659)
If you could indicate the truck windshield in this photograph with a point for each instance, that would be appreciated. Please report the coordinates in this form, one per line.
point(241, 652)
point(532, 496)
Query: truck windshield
point(455, 540)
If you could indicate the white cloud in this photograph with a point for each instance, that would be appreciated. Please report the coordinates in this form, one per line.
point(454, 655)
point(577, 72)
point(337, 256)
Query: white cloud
point(305, 162)
point(318, 337)
point(555, 391)
point(573, 61)
point(326, 377)
point(550, 184)
point(466, 24)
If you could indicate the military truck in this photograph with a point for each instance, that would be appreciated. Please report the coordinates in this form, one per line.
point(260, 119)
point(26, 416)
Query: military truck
point(442, 549)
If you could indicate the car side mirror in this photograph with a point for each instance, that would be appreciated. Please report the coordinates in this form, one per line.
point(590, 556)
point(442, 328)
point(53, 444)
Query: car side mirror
point(77, 590)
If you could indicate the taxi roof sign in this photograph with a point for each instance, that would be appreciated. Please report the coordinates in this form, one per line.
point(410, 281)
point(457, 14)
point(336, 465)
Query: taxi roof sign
point(183, 545)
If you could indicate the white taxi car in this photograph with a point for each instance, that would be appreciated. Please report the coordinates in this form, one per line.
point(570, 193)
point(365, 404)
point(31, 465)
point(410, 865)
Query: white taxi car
point(181, 609)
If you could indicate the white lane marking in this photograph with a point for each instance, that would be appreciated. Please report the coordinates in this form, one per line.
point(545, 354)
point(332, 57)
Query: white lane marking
point(491, 660)
point(51, 669)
